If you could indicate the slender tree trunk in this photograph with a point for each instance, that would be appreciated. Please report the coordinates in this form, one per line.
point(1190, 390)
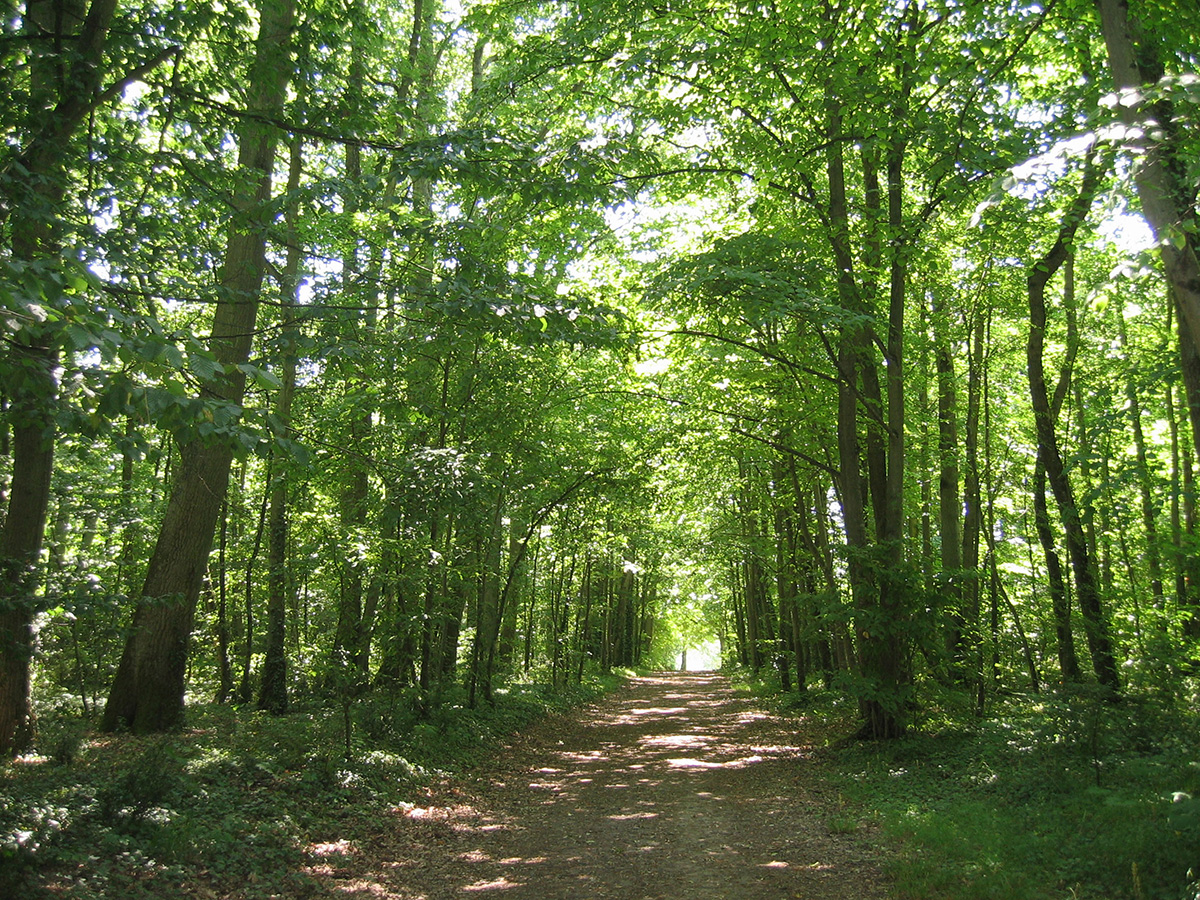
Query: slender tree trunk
point(487, 614)
point(1068, 662)
point(224, 667)
point(587, 621)
point(147, 693)
point(972, 493)
point(1145, 492)
point(785, 582)
point(1189, 560)
point(246, 685)
point(738, 602)
point(273, 690)
point(949, 500)
point(1087, 589)
point(531, 613)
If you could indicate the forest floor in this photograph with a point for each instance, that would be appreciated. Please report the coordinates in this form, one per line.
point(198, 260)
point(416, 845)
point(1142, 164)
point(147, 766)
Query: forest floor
point(675, 786)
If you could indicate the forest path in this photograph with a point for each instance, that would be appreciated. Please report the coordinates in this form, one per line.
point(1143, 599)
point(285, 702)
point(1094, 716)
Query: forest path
point(676, 786)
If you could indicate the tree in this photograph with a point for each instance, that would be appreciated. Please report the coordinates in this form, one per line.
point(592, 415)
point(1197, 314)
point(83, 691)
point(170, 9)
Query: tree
point(1138, 73)
point(148, 690)
point(66, 66)
point(1086, 582)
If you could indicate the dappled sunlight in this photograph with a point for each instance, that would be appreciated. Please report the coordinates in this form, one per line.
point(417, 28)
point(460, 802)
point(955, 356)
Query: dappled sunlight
point(679, 740)
point(687, 763)
point(657, 711)
point(330, 848)
point(363, 888)
point(496, 884)
point(691, 763)
point(657, 783)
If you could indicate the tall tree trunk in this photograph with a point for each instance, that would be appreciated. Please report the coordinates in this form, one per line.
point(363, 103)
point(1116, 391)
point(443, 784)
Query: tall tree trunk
point(949, 500)
point(1083, 567)
point(586, 616)
point(487, 613)
point(1068, 662)
point(1145, 492)
point(786, 580)
point(1189, 598)
point(273, 681)
point(65, 71)
point(246, 685)
point(147, 693)
point(224, 667)
point(1160, 174)
point(875, 578)
point(972, 491)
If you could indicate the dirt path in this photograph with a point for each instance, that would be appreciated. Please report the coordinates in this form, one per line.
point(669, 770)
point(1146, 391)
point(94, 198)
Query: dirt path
point(675, 787)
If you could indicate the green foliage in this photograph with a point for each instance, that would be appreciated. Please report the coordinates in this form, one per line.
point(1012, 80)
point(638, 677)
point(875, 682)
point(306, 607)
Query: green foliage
point(229, 806)
point(1063, 795)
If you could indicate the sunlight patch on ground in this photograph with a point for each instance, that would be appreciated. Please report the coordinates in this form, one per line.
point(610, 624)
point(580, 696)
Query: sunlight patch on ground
point(751, 717)
point(625, 817)
point(330, 848)
point(689, 763)
point(659, 711)
point(777, 748)
point(362, 888)
point(679, 740)
point(496, 884)
point(686, 763)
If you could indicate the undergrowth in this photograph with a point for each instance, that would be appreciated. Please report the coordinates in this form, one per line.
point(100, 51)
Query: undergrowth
point(232, 805)
point(1062, 795)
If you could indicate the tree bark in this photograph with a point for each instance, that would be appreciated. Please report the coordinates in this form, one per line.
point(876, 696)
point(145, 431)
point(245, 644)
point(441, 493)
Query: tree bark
point(273, 679)
point(1082, 565)
point(1160, 176)
point(147, 693)
point(63, 82)
point(949, 500)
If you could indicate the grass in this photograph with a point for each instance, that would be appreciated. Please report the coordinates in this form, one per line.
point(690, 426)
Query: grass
point(1052, 796)
point(230, 806)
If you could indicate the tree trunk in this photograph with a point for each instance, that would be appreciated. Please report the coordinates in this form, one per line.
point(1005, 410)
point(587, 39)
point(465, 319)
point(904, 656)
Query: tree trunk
point(873, 574)
point(1087, 589)
point(1160, 175)
point(949, 500)
point(972, 516)
point(147, 693)
point(246, 685)
point(63, 85)
point(272, 689)
point(1145, 493)
point(1068, 662)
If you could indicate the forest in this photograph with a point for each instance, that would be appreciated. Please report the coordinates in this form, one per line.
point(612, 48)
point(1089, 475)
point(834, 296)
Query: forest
point(406, 354)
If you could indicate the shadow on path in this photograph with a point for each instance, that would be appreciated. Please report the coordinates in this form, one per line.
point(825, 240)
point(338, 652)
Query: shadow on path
point(675, 787)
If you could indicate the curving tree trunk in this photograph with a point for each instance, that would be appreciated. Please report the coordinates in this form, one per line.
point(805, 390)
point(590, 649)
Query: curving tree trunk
point(1082, 564)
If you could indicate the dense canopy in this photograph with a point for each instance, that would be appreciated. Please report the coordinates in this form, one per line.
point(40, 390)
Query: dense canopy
point(417, 347)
